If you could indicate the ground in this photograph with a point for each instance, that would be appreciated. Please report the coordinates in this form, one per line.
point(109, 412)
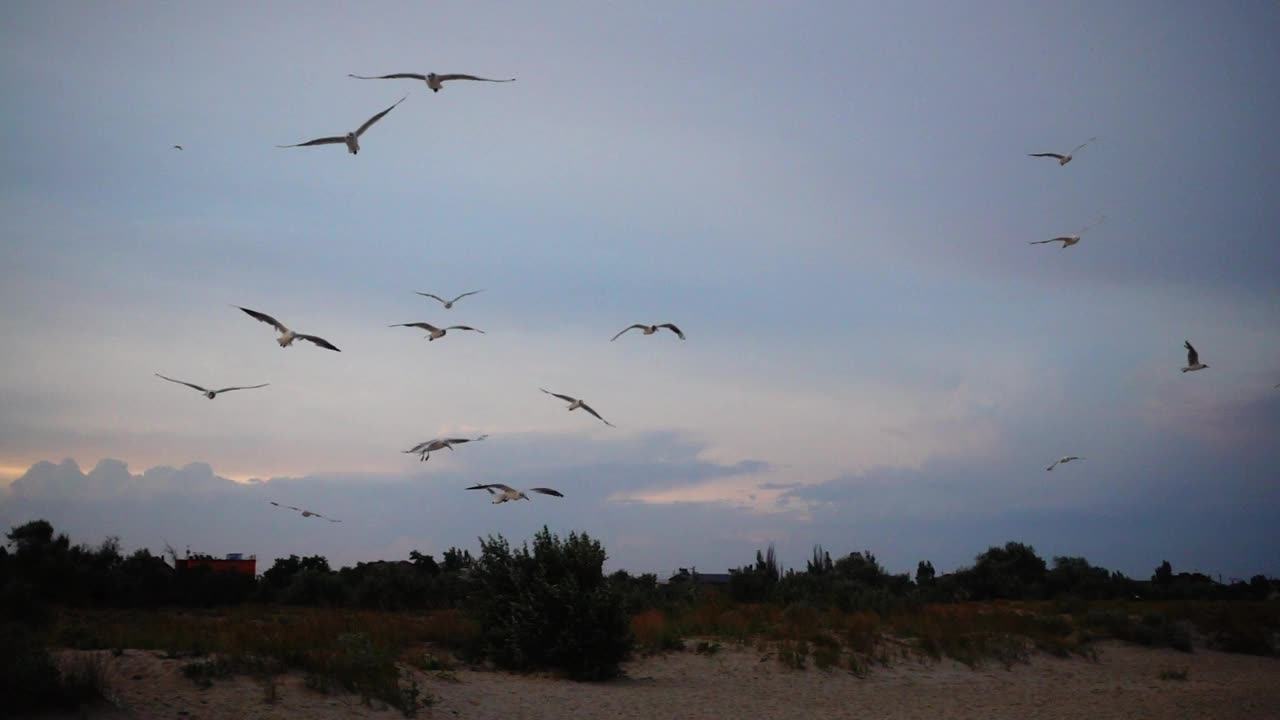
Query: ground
point(735, 682)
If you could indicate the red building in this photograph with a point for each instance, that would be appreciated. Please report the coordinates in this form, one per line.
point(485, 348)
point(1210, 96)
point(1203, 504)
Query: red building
point(233, 561)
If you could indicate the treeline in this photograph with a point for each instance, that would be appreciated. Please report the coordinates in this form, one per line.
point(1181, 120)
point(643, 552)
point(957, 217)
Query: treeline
point(549, 604)
point(1013, 571)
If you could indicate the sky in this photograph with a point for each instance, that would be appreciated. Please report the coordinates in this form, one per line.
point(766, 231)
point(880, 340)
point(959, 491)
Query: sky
point(833, 200)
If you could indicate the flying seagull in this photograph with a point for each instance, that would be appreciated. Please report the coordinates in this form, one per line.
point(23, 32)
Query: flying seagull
point(1063, 159)
point(449, 303)
point(510, 493)
point(424, 449)
point(651, 329)
point(434, 331)
point(305, 513)
point(211, 394)
point(287, 336)
point(433, 81)
point(177, 147)
point(1069, 240)
point(1063, 461)
point(1193, 358)
point(352, 139)
point(575, 403)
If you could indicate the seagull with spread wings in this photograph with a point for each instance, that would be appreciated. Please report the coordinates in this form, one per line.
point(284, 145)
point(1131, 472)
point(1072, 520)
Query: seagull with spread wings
point(1069, 240)
point(433, 81)
point(650, 329)
point(503, 493)
point(1193, 358)
point(575, 403)
point(1063, 159)
point(211, 394)
point(352, 139)
point(305, 513)
point(287, 336)
point(1063, 461)
point(436, 332)
point(449, 303)
point(424, 449)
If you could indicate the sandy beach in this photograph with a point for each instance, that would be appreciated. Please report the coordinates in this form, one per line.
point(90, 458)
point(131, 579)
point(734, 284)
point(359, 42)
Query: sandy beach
point(1123, 683)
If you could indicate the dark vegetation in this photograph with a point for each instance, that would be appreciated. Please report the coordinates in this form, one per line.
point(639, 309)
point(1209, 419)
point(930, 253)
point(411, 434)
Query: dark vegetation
point(549, 605)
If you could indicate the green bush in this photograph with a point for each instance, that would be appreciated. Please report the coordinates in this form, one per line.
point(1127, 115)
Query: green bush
point(549, 608)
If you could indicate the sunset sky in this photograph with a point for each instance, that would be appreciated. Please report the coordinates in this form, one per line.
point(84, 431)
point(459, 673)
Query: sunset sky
point(832, 199)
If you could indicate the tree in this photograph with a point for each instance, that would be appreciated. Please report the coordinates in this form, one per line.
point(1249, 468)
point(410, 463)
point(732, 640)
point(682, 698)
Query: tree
point(1163, 575)
point(925, 573)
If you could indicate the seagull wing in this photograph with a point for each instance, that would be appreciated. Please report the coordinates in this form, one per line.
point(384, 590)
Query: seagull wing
point(464, 327)
point(425, 326)
point(673, 329)
point(473, 292)
point(565, 398)
point(1092, 225)
point(632, 327)
point(1193, 357)
point(547, 491)
point(1052, 155)
point(1054, 465)
point(177, 147)
point(458, 76)
point(369, 123)
point(1086, 142)
point(436, 297)
point(180, 382)
point(491, 487)
point(336, 140)
point(393, 76)
point(331, 519)
point(1041, 242)
point(318, 341)
point(263, 317)
point(242, 387)
point(589, 409)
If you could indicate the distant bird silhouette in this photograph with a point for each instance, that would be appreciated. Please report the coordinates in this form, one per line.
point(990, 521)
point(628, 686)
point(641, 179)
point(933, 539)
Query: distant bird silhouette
point(575, 403)
point(352, 139)
point(1069, 240)
point(424, 449)
point(177, 147)
point(287, 336)
point(211, 394)
point(1063, 159)
point(433, 81)
point(1193, 358)
point(449, 303)
point(510, 493)
point(434, 332)
point(650, 329)
point(304, 513)
point(1063, 461)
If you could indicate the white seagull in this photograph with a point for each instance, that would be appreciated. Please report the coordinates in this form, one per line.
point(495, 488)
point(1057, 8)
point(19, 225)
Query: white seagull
point(1069, 240)
point(211, 394)
point(510, 493)
point(434, 331)
point(424, 449)
point(305, 513)
point(433, 81)
point(352, 139)
point(1063, 159)
point(1063, 461)
point(1193, 358)
point(449, 303)
point(651, 329)
point(287, 336)
point(575, 403)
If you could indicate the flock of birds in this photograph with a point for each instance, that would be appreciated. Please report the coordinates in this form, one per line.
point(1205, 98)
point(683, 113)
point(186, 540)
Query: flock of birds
point(499, 492)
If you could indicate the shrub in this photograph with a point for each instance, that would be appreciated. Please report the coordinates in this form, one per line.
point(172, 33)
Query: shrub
point(549, 608)
point(654, 633)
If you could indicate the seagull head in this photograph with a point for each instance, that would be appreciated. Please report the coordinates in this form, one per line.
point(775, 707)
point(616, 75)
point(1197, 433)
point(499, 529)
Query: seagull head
point(211, 394)
point(522, 496)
